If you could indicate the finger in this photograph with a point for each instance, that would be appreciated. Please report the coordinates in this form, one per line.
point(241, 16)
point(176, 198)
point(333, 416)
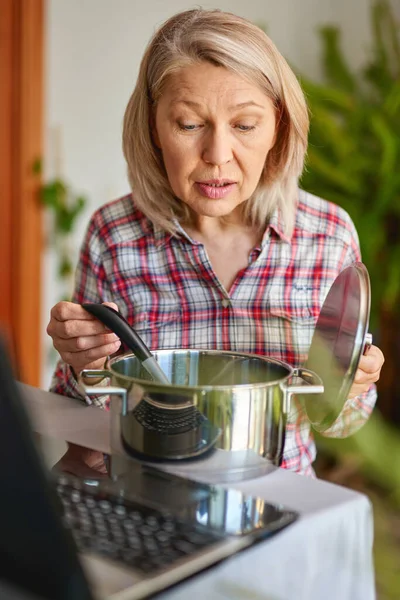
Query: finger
point(79, 360)
point(112, 305)
point(82, 343)
point(361, 377)
point(75, 329)
point(373, 361)
point(67, 311)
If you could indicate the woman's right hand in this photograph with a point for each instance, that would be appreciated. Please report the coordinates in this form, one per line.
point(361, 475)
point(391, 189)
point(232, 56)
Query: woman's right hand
point(82, 341)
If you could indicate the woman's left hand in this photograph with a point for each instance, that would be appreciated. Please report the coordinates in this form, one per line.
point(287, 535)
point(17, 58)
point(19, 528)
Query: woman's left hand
point(368, 371)
point(82, 462)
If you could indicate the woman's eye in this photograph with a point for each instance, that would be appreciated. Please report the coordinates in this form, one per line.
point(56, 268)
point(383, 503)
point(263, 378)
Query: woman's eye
point(188, 126)
point(245, 127)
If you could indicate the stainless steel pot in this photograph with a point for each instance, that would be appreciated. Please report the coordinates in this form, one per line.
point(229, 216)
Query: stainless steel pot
point(225, 409)
point(216, 401)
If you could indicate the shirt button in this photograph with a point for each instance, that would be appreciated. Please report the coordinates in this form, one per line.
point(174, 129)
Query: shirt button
point(225, 302)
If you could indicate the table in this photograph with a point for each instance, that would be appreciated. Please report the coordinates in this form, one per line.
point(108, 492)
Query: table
point(326, 554)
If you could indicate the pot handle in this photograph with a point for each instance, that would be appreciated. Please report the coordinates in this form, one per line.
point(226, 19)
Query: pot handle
point(91, 390)
point(311, 384)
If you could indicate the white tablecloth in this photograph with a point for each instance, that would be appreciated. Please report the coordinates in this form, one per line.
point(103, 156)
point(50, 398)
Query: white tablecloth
point(325, 555)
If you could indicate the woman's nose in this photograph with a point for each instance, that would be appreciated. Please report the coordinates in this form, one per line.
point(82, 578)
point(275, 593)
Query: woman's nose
point(217, 148)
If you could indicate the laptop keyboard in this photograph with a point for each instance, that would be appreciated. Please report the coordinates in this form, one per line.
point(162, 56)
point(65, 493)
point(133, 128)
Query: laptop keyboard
point(126, 531)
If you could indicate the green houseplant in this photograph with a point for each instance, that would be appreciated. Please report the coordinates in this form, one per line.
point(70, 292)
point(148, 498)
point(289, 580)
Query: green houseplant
point(354, 160)
point(65, 207)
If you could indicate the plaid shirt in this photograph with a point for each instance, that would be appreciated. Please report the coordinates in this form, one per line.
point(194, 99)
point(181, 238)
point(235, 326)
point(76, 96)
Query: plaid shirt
point(166, 288)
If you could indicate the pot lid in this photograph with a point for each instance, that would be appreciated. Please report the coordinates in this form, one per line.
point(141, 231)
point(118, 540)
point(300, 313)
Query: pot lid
point(338, 342)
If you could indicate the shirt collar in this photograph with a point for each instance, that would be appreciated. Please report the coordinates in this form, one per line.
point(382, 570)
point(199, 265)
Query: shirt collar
point(163, 237)
point(275, 224)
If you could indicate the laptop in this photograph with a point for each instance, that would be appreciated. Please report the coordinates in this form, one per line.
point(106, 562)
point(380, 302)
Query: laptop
point(64, 538)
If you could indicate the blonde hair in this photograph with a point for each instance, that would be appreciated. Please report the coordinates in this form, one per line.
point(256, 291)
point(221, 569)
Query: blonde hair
point(229, 41)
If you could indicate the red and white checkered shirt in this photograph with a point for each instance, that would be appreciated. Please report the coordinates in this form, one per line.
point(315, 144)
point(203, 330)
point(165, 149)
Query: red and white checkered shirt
point(166, 288)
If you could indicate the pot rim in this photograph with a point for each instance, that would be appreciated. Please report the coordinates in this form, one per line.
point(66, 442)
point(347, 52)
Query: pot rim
point(204, 388)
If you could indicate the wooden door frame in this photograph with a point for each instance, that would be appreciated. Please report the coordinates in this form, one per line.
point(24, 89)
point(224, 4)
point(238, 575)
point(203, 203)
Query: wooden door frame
point(21, 120)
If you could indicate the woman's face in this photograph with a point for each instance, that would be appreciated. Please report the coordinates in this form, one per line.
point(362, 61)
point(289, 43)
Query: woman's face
point(214, 130)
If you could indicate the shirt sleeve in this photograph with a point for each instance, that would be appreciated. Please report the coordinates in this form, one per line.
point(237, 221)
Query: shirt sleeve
point(354, 415)
point(91, 285)
point(356, 411)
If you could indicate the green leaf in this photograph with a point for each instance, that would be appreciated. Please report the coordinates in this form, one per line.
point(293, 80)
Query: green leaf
point(330, 97)
point(384, 67)
point(37, 166)
point(54, 194)
point(64, 220)
point(65, 268)
point(332, 173)
point(378, 16)
point(391, 103)
point(335, 67)
point(77, 207)
point(81, 202)
point(389, 143)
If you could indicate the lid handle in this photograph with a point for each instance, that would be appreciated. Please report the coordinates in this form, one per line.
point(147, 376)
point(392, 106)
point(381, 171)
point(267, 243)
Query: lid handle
point(367, 343)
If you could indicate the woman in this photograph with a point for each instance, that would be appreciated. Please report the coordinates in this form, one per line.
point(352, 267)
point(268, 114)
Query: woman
point(216, 247)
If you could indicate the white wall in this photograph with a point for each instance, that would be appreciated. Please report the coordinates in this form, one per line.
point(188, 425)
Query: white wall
point(93, 50)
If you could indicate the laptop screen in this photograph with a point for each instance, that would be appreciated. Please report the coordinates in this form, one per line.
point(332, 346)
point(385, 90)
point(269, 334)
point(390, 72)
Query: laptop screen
point(36, 553)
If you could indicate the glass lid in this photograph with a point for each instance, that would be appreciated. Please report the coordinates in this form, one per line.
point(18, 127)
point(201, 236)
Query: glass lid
point(338, 342)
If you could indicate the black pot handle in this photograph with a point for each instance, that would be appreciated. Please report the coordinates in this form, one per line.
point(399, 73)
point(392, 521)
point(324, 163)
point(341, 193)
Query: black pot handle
point(116, 322)
point(120, 326)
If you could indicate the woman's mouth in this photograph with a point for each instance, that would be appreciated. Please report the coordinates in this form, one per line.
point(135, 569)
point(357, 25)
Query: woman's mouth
point(215, 188)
